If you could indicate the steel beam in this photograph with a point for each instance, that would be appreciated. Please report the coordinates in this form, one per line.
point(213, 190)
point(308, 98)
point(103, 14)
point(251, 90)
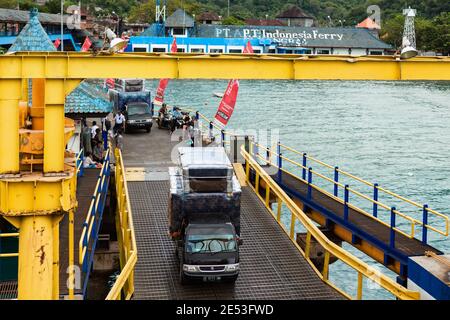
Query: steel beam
point(79, 66)
point(10, 94)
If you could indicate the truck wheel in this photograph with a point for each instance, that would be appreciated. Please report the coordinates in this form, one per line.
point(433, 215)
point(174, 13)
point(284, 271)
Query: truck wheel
point(148, 129)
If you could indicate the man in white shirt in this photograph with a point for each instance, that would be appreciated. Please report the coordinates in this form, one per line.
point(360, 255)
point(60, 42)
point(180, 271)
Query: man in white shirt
point(119, 120)
point(94, 129)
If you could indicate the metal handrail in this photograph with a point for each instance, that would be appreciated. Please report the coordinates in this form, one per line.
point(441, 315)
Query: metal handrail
point(88, 225)
point(313, 232)
point(9, 235)
point(126, 236)
point(79, 162)
point(424, 224)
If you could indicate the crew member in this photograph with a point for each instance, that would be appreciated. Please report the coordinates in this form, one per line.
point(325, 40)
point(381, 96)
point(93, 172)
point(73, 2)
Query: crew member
point(119, 120)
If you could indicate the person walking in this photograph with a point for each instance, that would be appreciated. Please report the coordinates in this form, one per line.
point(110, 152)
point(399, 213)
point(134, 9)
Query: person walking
point(119, 139)
point(94, 129)
point(106, 126)
point(86, 137)
point(119, 121)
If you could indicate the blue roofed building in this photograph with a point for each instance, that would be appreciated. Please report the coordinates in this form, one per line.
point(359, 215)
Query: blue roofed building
point(197, 37)
point(88, 100)
point(14, 22)
point(32, 37)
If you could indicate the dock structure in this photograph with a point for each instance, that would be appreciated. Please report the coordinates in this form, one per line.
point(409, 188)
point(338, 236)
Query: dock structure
point(274, 265)
point(272, 268)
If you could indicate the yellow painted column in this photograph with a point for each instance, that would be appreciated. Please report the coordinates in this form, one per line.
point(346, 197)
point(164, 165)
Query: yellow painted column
point(36, 258)
point(37, 108)
point(71, 255)
point(56, 221)
point(10, 94)
point(54, 139)
point(54, 123)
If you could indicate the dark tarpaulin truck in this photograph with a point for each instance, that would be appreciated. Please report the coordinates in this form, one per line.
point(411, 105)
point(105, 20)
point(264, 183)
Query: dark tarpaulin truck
point(204, 214)
point(130, 97)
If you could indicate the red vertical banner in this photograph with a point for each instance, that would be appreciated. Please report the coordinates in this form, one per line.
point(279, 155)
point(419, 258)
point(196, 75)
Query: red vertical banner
point(57, 43)
point(174, 47)
point(248, 48)
point(86, 45)
point(159, 96)
point(227, 104)
point(110, 83)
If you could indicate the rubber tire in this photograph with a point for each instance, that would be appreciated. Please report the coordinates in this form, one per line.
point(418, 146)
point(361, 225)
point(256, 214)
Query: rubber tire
point(148, 129)
point(183, 278)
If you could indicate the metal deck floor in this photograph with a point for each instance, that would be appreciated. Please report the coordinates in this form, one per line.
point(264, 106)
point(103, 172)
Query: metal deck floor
point(271, 266)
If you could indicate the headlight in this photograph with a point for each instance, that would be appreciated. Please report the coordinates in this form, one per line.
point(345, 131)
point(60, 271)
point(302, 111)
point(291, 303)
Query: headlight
point(232, 267)
point(189, 268)
point(131, 121)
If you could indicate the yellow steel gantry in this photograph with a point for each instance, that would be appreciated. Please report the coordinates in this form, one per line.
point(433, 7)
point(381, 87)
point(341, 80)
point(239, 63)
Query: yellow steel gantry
point(34, 200)
point(37, 182)
point(77, 66)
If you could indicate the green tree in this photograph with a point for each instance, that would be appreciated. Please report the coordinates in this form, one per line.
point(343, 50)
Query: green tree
point(232, 21)
point(441, 41)
point(144, 13)
point(392, 30)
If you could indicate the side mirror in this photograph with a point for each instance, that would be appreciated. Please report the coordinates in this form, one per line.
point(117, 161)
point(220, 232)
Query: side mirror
point(240, 242)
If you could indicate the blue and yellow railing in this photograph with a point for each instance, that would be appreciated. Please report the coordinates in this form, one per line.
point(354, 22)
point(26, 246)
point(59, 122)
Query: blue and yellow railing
point(313, 232)
point(79, 163)
point(91, 226)
point(124, 284)
point(306, 174)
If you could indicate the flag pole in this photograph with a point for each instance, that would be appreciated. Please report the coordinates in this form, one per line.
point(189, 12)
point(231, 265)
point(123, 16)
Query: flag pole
point(62, 25)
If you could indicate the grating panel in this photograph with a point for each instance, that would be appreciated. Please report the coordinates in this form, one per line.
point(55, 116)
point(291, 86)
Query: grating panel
point(271, 267)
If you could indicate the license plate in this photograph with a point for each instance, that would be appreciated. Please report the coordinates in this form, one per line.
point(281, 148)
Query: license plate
point(211, 278)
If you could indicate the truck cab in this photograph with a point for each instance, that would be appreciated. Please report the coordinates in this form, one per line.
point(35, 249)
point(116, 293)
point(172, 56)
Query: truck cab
point(210, 252)
point(138, 115)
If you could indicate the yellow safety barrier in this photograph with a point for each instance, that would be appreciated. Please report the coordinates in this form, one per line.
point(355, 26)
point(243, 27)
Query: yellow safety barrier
point(413, 221)
point(330, 248)
point(126, 236)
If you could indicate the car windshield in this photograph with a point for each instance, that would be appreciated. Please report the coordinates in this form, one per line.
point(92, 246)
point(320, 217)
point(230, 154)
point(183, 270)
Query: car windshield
point(199, 242)
point(137, 109)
